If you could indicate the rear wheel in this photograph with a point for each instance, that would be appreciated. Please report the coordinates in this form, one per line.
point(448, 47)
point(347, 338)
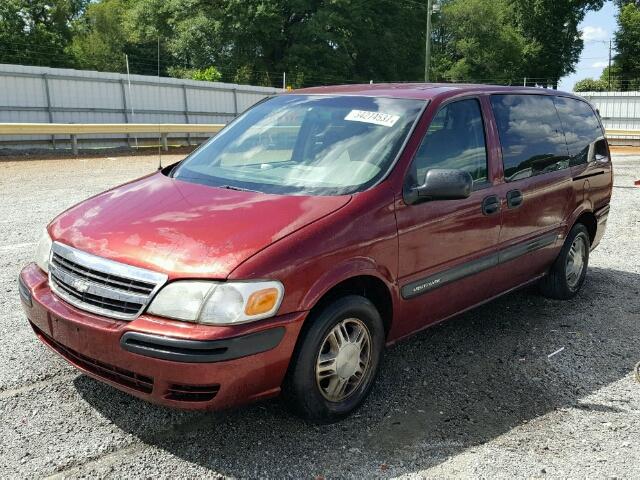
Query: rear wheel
point(569, 270)
point(337, 361)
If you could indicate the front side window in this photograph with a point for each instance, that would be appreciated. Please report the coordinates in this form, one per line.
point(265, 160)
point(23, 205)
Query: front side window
point(531, 136)
point(306, 145)
point(455, 139)
point(581, 127)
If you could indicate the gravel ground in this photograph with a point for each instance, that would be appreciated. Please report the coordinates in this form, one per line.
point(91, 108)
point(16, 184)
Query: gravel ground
point(476, 397)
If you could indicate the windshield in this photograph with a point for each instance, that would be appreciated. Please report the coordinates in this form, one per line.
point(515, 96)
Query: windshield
point(305, 144)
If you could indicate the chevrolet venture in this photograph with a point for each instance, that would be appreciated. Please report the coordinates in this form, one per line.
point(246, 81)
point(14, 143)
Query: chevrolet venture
point(316, 228)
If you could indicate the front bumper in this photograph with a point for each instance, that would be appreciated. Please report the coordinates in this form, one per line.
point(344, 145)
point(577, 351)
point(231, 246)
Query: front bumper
point(167, 362)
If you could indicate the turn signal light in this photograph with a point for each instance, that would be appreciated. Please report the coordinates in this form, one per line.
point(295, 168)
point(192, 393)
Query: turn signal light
point(261, 301)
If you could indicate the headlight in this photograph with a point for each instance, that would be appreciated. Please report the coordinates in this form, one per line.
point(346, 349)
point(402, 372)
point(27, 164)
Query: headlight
point(43, 251)
point(218, 303)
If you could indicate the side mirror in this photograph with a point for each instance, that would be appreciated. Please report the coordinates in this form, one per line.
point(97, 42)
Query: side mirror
point(441, 184)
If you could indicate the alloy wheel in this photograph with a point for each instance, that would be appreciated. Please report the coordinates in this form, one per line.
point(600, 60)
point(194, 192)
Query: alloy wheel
point(344, 359)
point(576, 261)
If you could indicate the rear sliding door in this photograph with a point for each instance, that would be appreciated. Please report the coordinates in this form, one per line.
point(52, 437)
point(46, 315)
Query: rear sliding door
point(537, 192)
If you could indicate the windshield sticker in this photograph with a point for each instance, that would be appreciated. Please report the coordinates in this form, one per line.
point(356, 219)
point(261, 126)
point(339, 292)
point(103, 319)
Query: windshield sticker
point(377, 118)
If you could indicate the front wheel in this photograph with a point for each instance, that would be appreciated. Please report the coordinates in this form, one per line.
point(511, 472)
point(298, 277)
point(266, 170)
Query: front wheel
point(568, 272)
point(336, 363)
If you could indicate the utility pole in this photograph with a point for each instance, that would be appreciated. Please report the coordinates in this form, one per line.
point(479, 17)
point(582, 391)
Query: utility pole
point(609, 69)
point(427, 41)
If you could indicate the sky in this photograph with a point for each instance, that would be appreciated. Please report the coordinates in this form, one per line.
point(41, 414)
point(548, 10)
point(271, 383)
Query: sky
point(597, 28)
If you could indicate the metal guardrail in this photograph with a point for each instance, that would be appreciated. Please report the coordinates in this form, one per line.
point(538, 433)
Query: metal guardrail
point(163, 129)
point(75, 129)
point(619, 132)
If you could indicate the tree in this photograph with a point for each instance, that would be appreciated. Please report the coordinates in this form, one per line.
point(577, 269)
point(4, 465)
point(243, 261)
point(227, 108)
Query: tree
point(627, 42)
point(99, 37)
point(476, 41)
point(551, 30)
point(36, 32)
point(104, 35)
point(590, 85)
point(313, 41)
point(613, 79)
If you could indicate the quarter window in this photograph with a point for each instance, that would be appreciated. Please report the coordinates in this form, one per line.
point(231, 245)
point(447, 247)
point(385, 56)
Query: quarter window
point(581, 127)
point(455, 139)
point(531, 135)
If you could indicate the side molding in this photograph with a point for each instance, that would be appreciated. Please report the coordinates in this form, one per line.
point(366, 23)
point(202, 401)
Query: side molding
point(445, 277)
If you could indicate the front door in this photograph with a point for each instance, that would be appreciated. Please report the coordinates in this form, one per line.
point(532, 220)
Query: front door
point(445, 244)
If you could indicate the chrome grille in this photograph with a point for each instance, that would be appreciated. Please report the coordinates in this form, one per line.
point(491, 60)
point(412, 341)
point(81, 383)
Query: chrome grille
point(99, 285)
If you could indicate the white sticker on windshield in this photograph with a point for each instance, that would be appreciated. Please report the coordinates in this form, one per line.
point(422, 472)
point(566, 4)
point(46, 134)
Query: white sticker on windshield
point(377, 118)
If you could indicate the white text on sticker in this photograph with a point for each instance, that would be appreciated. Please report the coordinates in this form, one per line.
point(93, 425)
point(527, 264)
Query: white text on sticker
point(377, 118)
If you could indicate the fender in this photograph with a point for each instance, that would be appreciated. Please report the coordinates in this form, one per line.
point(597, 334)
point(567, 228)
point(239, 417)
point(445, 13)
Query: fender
point(354, 267)
point(585, 207)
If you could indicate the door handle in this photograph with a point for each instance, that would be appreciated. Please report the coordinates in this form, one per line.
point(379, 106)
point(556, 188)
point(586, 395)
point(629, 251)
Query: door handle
point(490, 205)
point(514, 198)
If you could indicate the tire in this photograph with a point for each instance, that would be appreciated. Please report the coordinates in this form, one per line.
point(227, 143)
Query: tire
point(316, 388)
point(564, 280)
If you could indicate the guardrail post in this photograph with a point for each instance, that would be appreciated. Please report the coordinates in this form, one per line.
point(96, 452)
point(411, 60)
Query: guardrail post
point(48, 94)
point(74, 144)
point(235, 101)
point(126, 110)
point(165, 146)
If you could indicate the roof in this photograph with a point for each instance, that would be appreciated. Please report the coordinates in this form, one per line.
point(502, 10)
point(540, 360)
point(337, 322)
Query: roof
point(420, 91)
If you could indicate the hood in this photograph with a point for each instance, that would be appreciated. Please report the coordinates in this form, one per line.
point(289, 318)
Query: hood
point(185, 229)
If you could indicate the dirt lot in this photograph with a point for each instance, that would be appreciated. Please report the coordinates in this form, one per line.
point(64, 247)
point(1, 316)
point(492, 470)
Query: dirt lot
point(475, 397)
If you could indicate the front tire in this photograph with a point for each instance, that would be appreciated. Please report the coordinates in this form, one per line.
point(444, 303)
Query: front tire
point(568, 272)
point(336, 363)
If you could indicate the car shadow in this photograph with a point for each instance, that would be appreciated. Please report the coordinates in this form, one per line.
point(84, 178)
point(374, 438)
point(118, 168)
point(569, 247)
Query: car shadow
point(452, 387)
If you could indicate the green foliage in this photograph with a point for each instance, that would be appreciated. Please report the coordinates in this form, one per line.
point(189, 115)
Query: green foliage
point(627, 42)
point(313, 41)
point(590, 85)
point(209, 74)
point(503, 41)
point(462, 41)
point(612, 81)
point(606, 82)
point(553, 38)
point(36, 32)
point(99, 40)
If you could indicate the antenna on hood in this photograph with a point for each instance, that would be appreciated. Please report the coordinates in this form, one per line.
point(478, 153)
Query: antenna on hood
point(159, 101)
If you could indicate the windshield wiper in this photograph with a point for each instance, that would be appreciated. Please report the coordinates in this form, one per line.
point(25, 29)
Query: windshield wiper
point(239, 189)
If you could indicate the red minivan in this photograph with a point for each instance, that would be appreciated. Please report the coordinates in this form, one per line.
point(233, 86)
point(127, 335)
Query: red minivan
point(316, 228)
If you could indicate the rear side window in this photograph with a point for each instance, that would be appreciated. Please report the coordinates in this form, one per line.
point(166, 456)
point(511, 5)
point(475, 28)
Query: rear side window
point(455, 139)
point(530, 134)
point(581, 127)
